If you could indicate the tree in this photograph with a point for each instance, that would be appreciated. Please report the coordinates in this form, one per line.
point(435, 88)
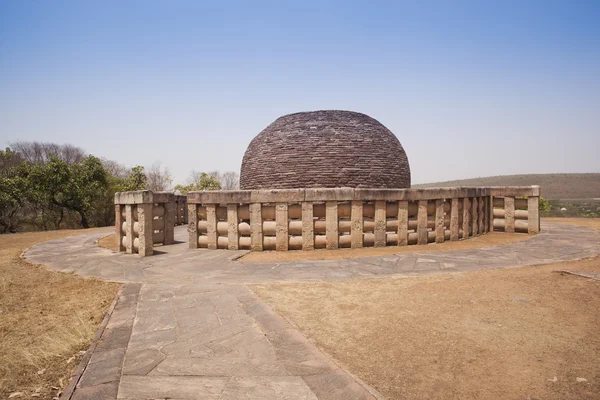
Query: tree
point(136, 180)
point(199, 181)
point(230, 180)
point(69, 186)
point(159, 178)
point(39, 153)
point(545, 206)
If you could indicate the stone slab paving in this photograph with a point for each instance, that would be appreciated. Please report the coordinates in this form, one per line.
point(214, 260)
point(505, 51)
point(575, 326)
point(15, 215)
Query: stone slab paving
point(191, 329)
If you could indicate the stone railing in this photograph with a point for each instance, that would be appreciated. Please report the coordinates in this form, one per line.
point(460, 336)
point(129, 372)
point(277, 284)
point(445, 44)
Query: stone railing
point(331, 218)
point(144, 218)
point(181, 217)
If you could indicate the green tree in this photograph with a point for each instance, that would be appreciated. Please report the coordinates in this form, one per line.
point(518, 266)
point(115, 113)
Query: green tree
point(136, 180)
point(545, 206)
point(73, 187)
point(202, 181)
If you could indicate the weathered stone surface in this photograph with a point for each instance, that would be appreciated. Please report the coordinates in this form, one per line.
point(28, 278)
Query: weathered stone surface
point(263, 388)
point(220, 197)
point(171, 387)
point(281, 228)
point(331, 225)
point(466, 218)
point(454, 228)
point(256, 234)
point(402, 223)
point(119, 219)
point(325, 149)
point(440, 228)
point(211, 227)
point(142, 362)
point(422, 223)
point(193, 226)
point(145, 229)
point(475, 216)
point(380, 223)
point(533, 217)
point(103, 371)
point(509, 214)
point(134, 197)
point(356, 230)
point(308, 224)
point(232, 227)
point(336, 385)
point(104, 391)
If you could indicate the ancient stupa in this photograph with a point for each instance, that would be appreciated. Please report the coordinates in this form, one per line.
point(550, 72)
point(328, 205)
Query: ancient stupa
point(325, 149)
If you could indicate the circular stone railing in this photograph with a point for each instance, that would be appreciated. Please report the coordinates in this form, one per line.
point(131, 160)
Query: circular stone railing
point(308, 219)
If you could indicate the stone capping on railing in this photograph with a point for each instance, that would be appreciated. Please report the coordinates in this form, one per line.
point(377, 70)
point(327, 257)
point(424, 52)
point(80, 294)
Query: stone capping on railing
point(144, 218)
point(311, 218)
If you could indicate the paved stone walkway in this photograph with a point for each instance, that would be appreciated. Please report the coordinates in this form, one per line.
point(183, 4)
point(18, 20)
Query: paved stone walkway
point(189, 327)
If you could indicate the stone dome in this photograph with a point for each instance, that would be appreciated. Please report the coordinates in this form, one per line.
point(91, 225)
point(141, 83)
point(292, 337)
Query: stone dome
point(325, 149)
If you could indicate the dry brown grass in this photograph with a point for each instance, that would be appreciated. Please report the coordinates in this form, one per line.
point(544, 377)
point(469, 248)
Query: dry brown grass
point(46, 318)
point(512, 334)
point(108, 242)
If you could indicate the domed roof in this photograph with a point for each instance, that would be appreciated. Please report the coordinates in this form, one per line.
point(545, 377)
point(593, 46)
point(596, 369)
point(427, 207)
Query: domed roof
point(325, 149)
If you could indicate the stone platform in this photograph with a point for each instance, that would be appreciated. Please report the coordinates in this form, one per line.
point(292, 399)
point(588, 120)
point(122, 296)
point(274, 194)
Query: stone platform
point(186, 326)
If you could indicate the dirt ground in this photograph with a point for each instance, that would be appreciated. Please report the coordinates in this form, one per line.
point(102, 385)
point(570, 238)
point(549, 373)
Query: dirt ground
point(587, 222)
point(46, 319)
point(525, 333)
point(108, 242)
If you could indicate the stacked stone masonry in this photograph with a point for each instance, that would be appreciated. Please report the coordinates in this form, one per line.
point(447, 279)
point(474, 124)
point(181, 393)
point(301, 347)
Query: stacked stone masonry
point(144, 218)
point(307, 219)
point(325, 149)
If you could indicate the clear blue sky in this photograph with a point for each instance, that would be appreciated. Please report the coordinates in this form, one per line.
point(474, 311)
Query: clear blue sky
point(470, 88)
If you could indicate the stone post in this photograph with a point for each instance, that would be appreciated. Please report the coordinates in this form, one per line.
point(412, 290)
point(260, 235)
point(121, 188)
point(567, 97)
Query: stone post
point(466, 217)
point(129, 228)
point(480, 215)
point(454, 229)
point(474, 217)
point(491, 214)
point(119, 231)
point(509, 214)
point(533, 214)
point(281, 227)
point(232, 227)
point(211, 226)
point(145, 231)
point(192, 212)
point(256, 235)
point(308, 226)
point(356, 230)
point(402, 223)
point(422, 223)
point(440, 228)
point(331, 225)
point(380, 223)
point(170, 218)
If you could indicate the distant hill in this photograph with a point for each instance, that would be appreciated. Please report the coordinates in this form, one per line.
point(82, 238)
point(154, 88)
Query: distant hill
point(553, 186)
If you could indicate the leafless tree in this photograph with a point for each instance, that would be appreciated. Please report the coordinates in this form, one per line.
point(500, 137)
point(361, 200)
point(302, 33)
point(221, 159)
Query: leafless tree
point(40, 152)
point(159, 177)
point(229, 180)
point(115, 169)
